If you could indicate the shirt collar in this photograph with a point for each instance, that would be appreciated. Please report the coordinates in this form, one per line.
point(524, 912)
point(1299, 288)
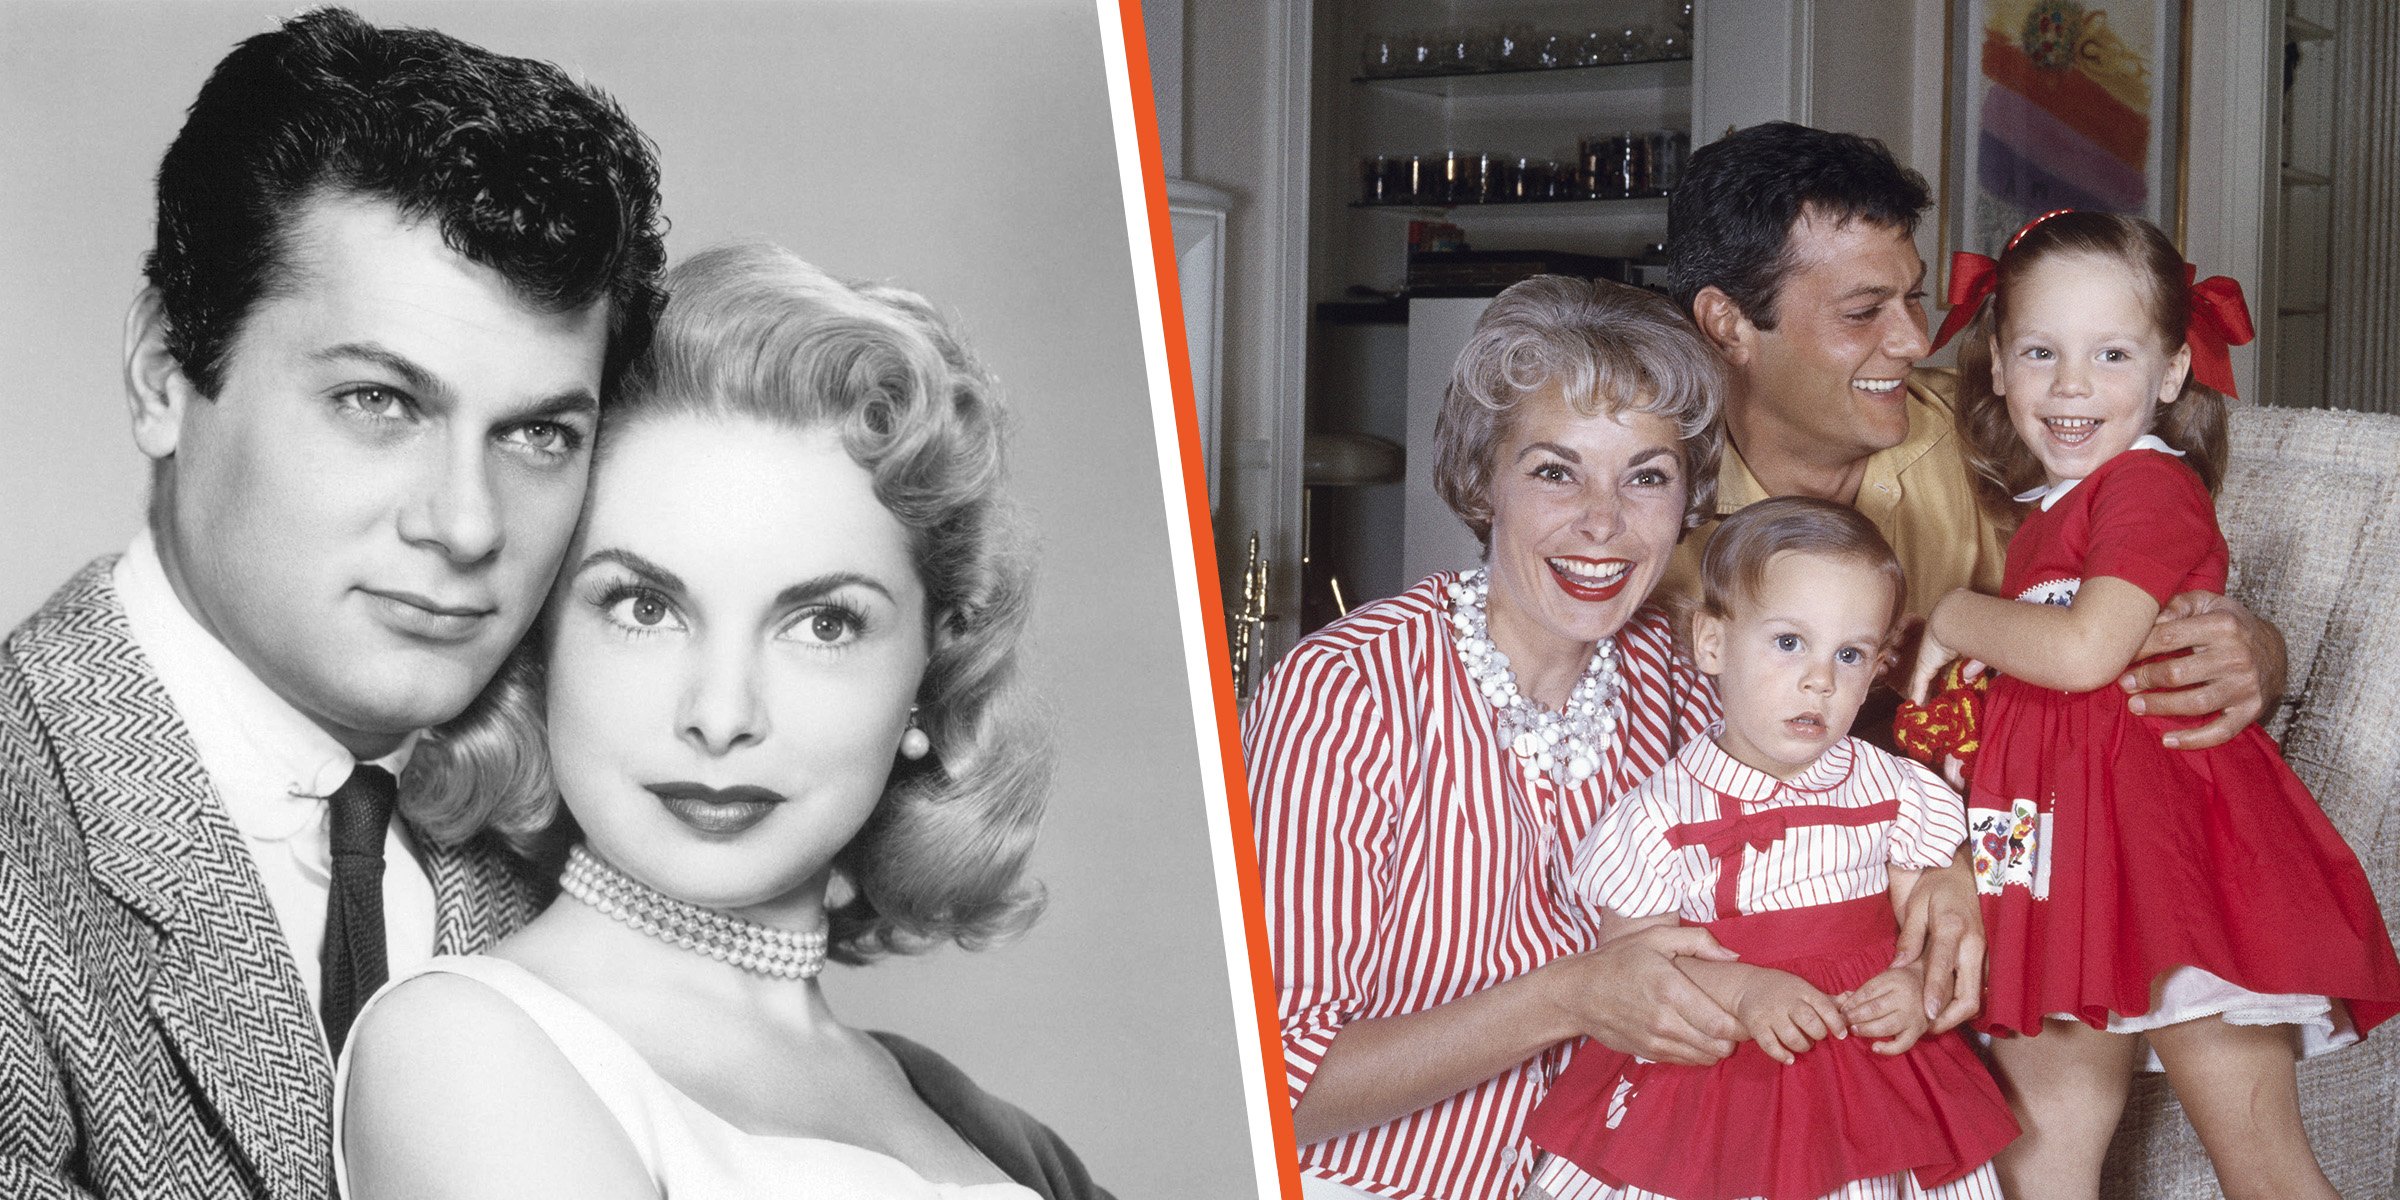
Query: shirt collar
point(1737, 488)
point(270, 762)
point(2051, 494)
point(1714, 768)
point(1878, 485)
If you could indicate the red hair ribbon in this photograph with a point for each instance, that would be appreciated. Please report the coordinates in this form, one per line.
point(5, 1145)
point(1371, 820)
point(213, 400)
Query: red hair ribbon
point(1972, 277)
point(2220, 319)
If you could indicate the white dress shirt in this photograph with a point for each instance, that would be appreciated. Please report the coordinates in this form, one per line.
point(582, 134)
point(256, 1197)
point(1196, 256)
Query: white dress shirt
point(272, 767)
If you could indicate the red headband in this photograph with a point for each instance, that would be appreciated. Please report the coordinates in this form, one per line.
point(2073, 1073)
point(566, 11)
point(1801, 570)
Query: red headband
point(1972, 278)
point(2219, 317)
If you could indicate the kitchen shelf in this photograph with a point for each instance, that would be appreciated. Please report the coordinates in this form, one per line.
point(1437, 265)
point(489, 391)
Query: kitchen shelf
point(1539, 81)
point(1575, 205)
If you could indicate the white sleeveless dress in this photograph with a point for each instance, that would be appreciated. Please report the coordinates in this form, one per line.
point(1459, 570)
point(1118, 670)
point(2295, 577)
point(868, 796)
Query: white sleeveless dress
point(689, 1151)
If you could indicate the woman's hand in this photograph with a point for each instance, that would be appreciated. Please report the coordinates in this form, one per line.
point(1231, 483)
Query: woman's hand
point(1784, 1015)
point(1890, 1006)
point(2234, 673)
point(1941, 925)
point(1630, 996)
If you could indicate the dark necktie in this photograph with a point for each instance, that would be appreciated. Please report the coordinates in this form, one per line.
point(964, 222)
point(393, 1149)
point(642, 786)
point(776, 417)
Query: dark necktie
point(353, 952)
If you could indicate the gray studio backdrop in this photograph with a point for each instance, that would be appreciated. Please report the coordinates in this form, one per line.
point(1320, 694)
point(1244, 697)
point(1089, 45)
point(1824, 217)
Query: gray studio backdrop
point(962, 149)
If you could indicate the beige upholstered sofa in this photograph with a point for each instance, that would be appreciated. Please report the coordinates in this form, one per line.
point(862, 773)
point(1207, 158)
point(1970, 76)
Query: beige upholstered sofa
point(2311, 505)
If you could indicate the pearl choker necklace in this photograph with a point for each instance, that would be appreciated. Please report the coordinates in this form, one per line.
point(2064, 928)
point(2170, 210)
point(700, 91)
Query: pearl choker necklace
point(1564, 745)
point(759, 949)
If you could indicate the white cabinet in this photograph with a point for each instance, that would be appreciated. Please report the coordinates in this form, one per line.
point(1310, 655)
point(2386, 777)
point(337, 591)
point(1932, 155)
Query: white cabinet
point(2292, 313)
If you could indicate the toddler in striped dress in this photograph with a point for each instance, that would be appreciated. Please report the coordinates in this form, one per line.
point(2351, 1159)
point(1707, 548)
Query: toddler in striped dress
point(1791, 842)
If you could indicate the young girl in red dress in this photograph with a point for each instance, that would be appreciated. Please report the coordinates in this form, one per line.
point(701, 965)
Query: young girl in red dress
point(2198, 900)
point(1790, 841)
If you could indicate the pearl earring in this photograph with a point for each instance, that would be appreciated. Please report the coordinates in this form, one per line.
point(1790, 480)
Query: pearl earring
point(914, 744)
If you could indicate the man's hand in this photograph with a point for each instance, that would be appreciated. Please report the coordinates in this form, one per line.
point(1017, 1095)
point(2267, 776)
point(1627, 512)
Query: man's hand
point(1785, 1016)
point(1890, 1006)
point(1941, 924)
point(1629, 996)
point(2234, 671)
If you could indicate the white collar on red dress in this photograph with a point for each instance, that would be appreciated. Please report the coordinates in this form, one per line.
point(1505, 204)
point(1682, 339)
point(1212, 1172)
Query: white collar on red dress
point(2056, 492)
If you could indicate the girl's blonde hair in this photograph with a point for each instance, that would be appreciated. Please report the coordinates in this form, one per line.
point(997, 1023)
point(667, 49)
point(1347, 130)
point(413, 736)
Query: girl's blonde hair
point(2194, 423)
point(754, 331)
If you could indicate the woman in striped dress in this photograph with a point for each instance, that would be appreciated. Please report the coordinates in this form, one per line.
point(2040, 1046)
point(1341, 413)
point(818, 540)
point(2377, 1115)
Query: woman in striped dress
point(1421, 771)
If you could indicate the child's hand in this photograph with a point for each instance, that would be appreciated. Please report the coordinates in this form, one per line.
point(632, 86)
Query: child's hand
point(1890, 1006)
point(1932, 656)
point(1785, 1016)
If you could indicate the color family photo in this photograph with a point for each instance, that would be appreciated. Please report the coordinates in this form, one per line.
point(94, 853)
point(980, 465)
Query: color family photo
point(1660, 782)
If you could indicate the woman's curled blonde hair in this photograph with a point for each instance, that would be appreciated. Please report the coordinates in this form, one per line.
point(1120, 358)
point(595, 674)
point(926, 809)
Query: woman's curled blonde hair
point(751, 330)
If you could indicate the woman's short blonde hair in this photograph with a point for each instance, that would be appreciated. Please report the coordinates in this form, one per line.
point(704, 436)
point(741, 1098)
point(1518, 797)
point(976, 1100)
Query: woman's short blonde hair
point(753, 331)
point(1609, 349)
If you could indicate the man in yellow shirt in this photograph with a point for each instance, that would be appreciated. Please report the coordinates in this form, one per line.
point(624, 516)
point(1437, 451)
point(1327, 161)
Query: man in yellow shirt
point(1794, 250)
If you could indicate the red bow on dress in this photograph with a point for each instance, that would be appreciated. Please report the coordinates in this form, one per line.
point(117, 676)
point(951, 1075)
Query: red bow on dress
point(2219, 317)
point(1766, 827)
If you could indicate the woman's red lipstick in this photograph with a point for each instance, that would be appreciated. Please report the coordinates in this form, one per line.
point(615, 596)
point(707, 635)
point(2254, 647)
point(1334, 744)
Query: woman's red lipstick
point(719, 811)
point(1588, 588)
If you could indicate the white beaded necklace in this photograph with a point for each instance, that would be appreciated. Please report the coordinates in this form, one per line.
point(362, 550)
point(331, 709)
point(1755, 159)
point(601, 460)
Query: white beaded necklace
point(759, 949)
point(1564, 744)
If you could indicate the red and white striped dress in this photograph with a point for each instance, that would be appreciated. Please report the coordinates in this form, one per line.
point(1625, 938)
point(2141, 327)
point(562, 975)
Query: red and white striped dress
point(1792, 874)
point(1409, 858)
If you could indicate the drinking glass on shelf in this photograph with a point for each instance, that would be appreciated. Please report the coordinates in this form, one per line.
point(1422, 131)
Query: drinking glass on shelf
point(1419, 180)
point(1632, 45)
point(1592, 168)
point(1382, 55)
point(1463, 176)
point(1595, 47)
point(1523, 179)
point(1668, 150)
point(1375, 180)
point(1509, 47)
point(1422, 55)
point(1616, 166)
point(1554, 49)
point(1454, 51)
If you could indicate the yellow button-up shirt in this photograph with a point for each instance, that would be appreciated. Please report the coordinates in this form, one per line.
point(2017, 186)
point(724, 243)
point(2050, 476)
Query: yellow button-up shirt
point(1920, 493)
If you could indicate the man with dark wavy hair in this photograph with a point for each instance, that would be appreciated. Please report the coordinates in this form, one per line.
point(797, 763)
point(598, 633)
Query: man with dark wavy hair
point(395, 278)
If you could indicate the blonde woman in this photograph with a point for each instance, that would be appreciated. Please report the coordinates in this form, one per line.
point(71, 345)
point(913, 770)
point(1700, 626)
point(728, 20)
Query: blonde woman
point(773, 677)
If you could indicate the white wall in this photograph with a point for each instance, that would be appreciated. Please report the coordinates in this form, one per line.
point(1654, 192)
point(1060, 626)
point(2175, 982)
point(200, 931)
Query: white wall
point(1246, 131)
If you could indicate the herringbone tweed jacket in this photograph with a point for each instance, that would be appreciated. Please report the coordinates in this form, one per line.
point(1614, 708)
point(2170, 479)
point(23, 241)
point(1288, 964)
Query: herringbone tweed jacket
point(155, 1039)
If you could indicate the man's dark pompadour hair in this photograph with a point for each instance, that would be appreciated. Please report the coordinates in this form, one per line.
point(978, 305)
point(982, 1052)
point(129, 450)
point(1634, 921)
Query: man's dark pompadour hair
point(1729, 222)
point(523, 170)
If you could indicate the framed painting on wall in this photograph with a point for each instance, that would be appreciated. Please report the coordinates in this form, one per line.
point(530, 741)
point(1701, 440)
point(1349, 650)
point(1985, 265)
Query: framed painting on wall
point(2061, 104)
